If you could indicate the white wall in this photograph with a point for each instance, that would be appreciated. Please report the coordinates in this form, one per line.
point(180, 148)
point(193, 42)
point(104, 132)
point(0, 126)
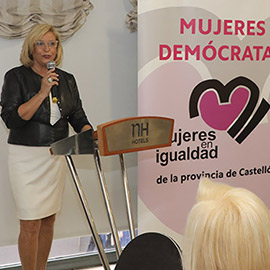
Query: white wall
point(103, 57)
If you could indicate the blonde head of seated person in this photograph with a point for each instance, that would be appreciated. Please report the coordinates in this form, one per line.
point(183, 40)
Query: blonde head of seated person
point(227, 229)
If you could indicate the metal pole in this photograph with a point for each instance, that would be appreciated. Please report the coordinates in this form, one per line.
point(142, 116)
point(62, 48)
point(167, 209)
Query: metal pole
point(127, 197)
point(96, 238)
point(105, 193)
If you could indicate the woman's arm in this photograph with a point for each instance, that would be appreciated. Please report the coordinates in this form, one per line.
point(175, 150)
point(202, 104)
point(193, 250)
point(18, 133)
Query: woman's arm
point(77, 118)
point(28, 109)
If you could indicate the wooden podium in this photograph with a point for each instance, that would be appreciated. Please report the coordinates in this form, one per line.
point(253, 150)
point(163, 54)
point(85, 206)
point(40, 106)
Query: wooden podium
point(114, 138)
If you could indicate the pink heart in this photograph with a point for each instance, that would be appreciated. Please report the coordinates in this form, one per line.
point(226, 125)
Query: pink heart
point(221, 115)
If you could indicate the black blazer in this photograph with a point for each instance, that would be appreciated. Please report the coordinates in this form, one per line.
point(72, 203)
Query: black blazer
point(20, 85)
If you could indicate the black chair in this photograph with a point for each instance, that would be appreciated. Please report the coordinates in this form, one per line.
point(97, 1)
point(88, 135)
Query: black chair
point(150, 251)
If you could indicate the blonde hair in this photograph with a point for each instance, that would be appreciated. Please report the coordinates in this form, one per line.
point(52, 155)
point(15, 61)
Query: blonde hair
point(228, 228)
point(35, 34)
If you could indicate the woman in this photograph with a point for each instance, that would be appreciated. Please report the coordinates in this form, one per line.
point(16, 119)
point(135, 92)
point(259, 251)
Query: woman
point(228, 228)
point(35, 122)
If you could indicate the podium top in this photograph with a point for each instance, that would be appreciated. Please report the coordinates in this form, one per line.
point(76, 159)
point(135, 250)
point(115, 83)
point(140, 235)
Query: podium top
point(134, 134)
point(78, 144)
point(125, 135)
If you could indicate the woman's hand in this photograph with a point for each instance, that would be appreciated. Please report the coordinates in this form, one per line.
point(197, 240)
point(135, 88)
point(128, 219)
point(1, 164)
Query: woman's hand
point(50, 79)
point(86, 127)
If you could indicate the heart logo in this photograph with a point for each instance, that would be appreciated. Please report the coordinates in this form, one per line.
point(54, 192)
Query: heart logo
point(220, 116)
point(237, 101)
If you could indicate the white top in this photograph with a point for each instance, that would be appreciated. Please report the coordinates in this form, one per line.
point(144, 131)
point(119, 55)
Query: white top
point(55, 112)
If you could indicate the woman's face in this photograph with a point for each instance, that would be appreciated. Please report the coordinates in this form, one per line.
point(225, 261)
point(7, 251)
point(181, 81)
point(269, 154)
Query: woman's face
point(45, 50)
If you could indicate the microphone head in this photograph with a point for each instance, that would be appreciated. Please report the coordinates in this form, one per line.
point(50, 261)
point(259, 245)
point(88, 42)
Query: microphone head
point(51, 64)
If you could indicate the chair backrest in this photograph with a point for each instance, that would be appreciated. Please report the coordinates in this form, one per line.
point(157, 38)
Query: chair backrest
point(150, 251)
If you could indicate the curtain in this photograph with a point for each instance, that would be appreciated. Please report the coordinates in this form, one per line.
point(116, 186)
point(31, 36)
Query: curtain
point(18, 16)
point(132, 17)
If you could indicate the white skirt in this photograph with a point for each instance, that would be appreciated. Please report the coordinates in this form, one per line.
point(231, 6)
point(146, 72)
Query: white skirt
point(37, 181)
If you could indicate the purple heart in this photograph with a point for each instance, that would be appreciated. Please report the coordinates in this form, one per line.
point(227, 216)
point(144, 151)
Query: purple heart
point(221, 115)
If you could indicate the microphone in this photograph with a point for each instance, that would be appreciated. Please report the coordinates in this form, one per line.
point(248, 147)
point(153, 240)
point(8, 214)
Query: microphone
point(50, 65)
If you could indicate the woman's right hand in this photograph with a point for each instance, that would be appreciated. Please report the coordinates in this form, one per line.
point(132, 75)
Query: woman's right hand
point(50, 79)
